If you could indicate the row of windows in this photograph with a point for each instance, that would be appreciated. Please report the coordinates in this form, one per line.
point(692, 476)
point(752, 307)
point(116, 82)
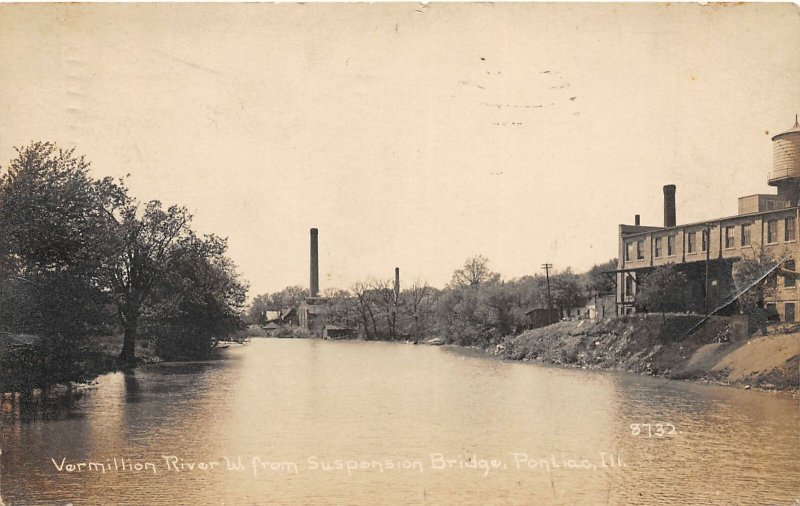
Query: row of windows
point(639, 250)
point(659, 250)
point(691, 242)
point(745, 235)
point(789, 233)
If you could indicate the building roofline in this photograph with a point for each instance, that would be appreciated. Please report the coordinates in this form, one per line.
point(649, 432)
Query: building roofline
point(759, 195)
point(712, 221)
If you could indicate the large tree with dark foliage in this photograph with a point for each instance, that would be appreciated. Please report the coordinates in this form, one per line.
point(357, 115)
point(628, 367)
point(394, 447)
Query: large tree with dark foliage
point(75, 247)
point(144, 247)
point(198, 300)
point(53, 227)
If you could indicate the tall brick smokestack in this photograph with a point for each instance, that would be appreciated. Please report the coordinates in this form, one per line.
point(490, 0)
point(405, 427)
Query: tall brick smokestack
point(397, 283)
point(669, 206)
point(314, 285)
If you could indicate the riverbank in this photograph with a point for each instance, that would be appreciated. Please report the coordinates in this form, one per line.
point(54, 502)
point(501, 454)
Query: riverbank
point(716, 352)
point(29, 368)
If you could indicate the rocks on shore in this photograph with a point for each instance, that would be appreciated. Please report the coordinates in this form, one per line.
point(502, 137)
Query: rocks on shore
point(664, 346)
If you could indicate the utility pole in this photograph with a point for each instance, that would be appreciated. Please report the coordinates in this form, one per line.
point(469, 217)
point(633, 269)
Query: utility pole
point(708, 267)
point(547, 268)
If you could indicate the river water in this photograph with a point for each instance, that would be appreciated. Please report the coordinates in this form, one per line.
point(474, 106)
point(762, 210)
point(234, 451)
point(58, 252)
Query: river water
point(283, 421)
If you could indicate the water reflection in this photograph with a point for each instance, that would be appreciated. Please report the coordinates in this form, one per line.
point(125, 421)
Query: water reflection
point(131, 387)
point(293, 401)
point(41, 406)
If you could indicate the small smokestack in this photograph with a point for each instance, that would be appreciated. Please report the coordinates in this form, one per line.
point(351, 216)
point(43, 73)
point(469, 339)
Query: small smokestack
point(397, 283)
point(637, 220)
point(669, 206)
point(314, 285)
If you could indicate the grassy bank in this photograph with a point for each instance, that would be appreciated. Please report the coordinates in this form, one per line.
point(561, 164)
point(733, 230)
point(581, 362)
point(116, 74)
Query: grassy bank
point(658, 345)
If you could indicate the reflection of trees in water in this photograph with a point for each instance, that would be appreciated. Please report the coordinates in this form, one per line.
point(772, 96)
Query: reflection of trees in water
point(60, 402)
point(131, 386)
point(41, 405)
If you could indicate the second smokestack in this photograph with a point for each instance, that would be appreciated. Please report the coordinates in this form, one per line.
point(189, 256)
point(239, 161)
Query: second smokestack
point(669, 206)
point(397, 283)
point(314, 284)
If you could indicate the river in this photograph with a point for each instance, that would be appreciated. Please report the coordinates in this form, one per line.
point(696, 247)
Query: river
point(283, 421)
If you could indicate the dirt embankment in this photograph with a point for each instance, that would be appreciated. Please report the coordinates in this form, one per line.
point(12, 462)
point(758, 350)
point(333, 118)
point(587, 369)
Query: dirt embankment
point(656, 344)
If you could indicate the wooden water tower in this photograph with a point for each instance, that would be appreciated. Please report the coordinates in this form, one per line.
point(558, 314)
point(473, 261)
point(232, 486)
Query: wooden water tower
point(785, 173)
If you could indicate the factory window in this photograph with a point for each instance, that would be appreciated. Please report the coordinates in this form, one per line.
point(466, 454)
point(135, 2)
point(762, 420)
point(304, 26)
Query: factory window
point(628, 251)
point(657, 246)
point(789, 281)
point(671, 245)
point(704, 242)
point(772, 231)
point(729, 236)
point(788, 312)
point(628, 285)
point(789, 229)
point(640, 249)
point(691, 242)
point(746, 234)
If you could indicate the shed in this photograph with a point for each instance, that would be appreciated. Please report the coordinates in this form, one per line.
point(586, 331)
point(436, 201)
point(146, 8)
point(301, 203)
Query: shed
point(336, 332)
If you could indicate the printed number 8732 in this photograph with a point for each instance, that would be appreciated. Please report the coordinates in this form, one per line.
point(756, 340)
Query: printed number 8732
point(653, 429)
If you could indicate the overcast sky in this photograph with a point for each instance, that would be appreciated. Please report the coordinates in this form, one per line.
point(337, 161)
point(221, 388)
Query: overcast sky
point(410, 136)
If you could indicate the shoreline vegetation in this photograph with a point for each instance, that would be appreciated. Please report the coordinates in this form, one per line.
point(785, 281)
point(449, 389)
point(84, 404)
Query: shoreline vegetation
point(84, 263)
point(719, 352)
point(93, 281)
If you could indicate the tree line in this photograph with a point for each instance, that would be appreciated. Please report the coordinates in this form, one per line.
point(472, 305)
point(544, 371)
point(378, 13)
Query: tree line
point(475, 307)
point(81, 257)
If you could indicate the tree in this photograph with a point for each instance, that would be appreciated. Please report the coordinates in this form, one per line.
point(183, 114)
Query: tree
point(387, 299)
point(664, 290)
point(199, 300)
point(567, 290)
point(598, 280)
point(456, 316)
point(416, 308)
point(496, 303)
point(257, 312)
point(755, 281)
point(53, 222)
point(341, 308)
point(365, 301)
point(142, 245)
point(53, 215)
point(475, 272)
point(291, 296)
point(83, 245)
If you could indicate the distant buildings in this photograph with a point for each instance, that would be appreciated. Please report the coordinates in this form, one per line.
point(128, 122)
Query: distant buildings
point(312, 313)
point(768, 221)
point(312, 310)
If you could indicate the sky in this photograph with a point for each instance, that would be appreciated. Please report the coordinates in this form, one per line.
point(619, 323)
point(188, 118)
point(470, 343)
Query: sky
point(411, 136)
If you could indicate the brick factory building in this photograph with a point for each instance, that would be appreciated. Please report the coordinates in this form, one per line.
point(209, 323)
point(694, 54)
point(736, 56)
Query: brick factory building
point(706, 251)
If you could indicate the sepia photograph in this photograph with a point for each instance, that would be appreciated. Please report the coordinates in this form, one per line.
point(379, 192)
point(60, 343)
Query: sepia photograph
point(399, 254)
